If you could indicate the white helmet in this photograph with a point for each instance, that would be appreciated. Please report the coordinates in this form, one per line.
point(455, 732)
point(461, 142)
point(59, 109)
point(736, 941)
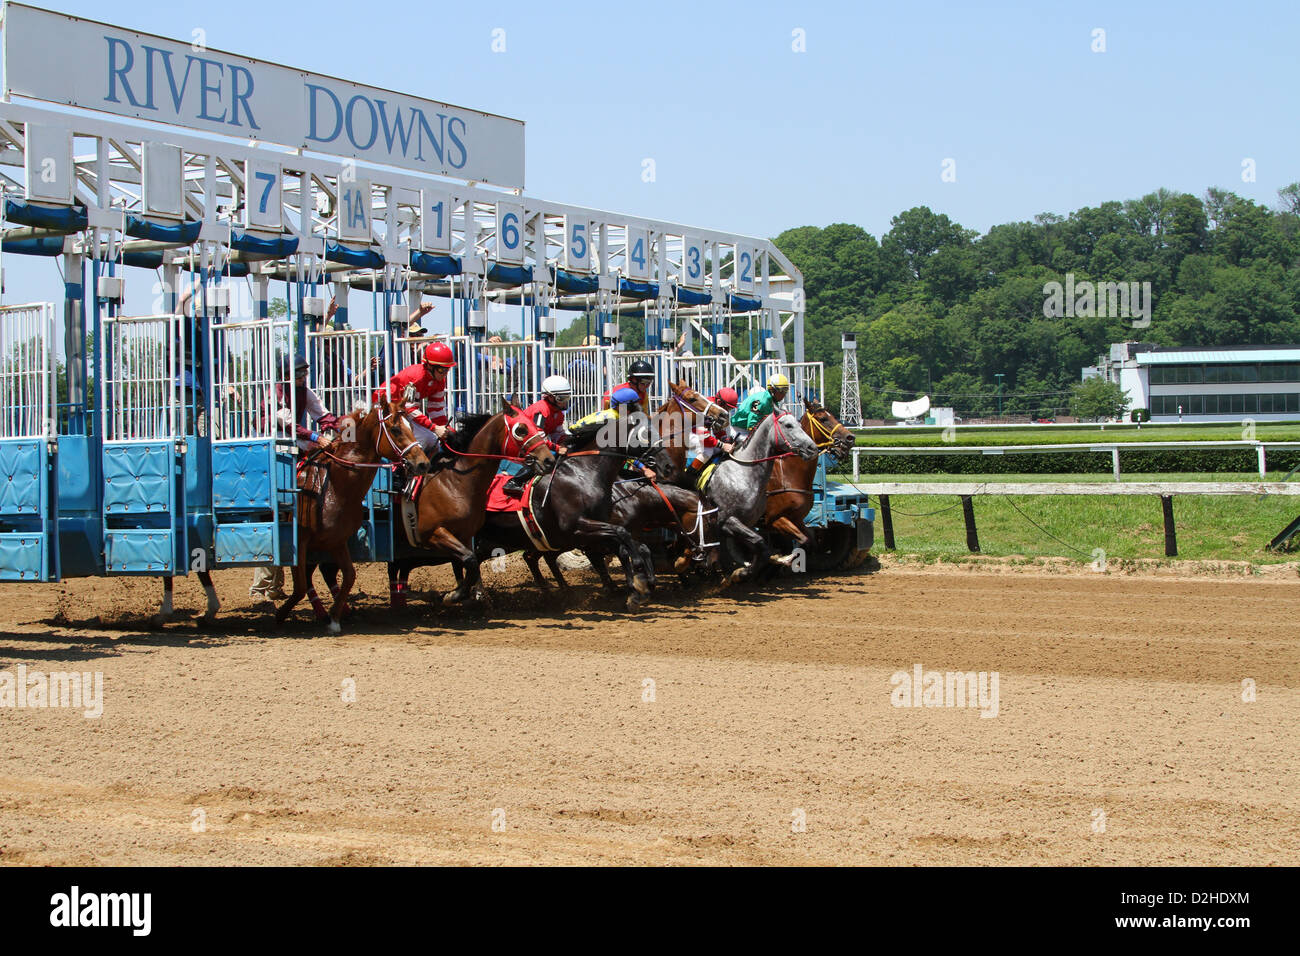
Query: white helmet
point(558, 387)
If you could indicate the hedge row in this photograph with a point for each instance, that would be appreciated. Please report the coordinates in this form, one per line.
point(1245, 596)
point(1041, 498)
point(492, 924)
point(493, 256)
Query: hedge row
point(1076, 462)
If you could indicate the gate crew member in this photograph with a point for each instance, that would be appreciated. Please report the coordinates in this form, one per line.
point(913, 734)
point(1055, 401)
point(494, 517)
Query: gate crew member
point(758, 404)
point(547, 414)
point(310, 409)
point(639, 377)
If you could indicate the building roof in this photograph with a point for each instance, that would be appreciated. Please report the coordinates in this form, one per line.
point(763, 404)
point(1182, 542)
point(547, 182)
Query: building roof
point(1219, 356)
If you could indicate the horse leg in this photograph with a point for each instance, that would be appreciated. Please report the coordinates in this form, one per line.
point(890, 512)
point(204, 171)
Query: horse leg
point(214, 605)
point(396, 585)
point(792, 529)
point(340, 607)
point(299, 589)
point(317, 605)
point(553, 562)
point(531, 558)
point(165, 609)
point(754, 543)
point(464, 560)
point(597, 560)
point(599, 537)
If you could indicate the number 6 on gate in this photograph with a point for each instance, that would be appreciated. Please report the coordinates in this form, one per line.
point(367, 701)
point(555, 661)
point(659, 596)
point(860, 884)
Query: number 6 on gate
point(510, 232)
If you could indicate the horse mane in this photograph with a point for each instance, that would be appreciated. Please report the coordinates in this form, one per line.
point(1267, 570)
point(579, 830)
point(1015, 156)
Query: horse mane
point(467, 426)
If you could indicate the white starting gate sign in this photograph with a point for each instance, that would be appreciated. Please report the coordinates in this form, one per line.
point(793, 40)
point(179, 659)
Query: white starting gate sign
point(28, 502)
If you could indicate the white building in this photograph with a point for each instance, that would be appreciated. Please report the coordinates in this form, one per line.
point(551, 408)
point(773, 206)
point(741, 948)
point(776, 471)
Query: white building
point(1192, 384)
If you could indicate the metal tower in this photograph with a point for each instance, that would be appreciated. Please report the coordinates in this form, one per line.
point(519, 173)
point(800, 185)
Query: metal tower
point(850, 404)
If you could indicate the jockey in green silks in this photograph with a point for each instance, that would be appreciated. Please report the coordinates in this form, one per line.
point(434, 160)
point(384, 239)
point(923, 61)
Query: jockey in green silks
point(758, 404)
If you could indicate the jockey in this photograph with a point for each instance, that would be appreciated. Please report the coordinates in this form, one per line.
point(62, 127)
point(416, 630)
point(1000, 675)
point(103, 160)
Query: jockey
point(548, 415)
point(548, 412)
point(758, 404)
point(639, 376)
point(703, 442)
point(429, 379)
point(310, 409)
point(623, 402)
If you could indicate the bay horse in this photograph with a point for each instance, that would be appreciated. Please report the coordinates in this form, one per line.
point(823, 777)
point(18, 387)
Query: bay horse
point(452, 505)
point(740, 481)
point(572, 506)
point(332, 487)
point(789, 491)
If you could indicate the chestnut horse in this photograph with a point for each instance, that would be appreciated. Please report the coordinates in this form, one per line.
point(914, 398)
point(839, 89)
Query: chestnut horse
point(330, 506)
point(789, 491)
point(452, 504)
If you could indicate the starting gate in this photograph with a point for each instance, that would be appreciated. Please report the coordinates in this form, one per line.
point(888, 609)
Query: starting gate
point(28, 500)
point(253, 451)
point(505, 370)
point(619, 362)
point(142, 421)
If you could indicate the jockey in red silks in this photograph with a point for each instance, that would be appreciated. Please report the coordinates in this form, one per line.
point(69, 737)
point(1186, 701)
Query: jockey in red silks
point(704, 441)
point(639, 376)
point(429, 379)
point(547, 413)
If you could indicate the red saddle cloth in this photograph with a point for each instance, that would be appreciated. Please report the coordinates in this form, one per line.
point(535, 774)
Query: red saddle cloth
point(498, 500)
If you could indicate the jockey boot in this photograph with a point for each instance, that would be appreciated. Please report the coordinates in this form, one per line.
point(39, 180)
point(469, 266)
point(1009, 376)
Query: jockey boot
point(514, 488)
point(397, 595)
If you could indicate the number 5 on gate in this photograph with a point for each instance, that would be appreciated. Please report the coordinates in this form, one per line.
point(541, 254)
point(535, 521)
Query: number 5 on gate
point(577, 244)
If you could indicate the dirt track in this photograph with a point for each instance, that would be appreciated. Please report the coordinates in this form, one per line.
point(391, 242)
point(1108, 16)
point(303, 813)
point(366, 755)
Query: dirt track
point(1117, 694)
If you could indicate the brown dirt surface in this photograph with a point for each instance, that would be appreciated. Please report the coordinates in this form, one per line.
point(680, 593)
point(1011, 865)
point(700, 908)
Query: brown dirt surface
point(1120, 694)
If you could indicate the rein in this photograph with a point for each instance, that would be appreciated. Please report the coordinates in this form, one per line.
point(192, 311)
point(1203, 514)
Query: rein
point(383, 433)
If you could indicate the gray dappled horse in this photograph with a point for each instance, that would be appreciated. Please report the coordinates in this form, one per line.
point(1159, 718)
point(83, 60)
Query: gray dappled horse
point(739, 487)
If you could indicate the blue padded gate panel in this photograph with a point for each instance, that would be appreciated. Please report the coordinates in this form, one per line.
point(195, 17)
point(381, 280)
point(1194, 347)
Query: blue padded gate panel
point(139, 550)
point(246, 543)
point(241, 476)
point(24, 556)
point(138, 478)
point(22, 470)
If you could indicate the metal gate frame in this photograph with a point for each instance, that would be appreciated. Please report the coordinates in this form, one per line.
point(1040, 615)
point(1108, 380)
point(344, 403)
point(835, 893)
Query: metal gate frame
point(29, 498)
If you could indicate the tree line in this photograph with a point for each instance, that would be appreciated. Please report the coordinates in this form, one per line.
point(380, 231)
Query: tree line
point(939, 309)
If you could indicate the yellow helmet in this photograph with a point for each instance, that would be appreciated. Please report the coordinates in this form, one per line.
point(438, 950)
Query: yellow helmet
point(778, 381)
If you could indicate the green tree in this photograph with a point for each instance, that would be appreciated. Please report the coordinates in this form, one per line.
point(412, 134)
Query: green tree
point(1096, 399)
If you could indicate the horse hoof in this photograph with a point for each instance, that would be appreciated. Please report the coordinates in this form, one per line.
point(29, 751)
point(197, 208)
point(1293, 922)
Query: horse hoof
point(634, 602)
point(640, 583)
point(736, 576)
point(334, 627)
point(452, 597)
point(158, 620)
point(782, 560)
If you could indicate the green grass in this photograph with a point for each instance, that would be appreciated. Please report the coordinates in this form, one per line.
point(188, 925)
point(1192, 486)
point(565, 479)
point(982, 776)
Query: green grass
point(1209, 527)
point(1084, 434)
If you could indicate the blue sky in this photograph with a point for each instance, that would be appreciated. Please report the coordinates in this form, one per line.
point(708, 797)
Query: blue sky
point(749, 136)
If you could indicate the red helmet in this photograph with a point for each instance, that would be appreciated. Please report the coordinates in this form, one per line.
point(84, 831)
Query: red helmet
point(437, 353)
point(727, 398)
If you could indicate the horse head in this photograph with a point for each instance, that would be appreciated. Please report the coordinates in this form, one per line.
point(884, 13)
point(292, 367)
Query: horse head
point(790, 436)
point(523, 439)
point(825, 429)
point(395, 439)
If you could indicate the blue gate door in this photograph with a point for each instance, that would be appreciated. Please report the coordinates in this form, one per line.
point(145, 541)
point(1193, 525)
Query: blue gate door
point(253, 455)
point(142, 419)
point(28, 502)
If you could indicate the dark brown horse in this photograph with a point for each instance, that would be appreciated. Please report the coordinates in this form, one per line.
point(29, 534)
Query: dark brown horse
point(332, 490)
point(453, 502)
point(789, 491)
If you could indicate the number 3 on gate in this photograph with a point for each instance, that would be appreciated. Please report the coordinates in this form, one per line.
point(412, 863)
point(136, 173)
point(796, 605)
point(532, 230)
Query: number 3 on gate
point(510, 232)
point(577, 245)
point(692, 262)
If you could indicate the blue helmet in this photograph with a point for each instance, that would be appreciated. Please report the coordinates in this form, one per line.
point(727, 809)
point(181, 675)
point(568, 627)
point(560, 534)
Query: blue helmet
point(624, 396)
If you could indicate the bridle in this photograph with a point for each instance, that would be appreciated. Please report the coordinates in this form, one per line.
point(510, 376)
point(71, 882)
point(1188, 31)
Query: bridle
point(828, 439)
point(381, 434)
